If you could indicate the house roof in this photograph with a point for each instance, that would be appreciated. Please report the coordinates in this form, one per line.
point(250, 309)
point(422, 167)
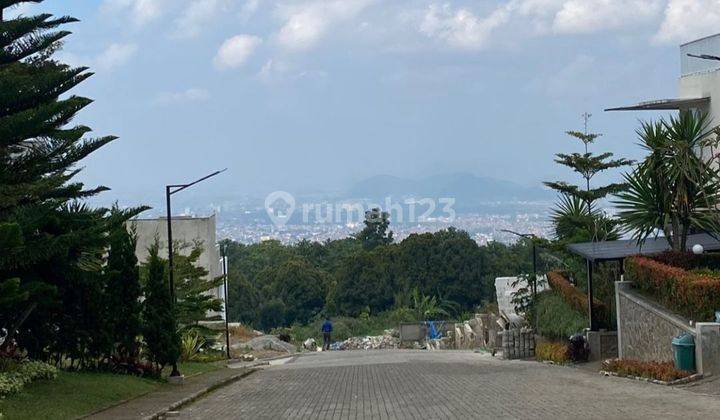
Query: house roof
point(618, 250)
point(660, 104)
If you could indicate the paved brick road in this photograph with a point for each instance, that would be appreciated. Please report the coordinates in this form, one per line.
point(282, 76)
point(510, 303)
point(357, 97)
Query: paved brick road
point(424, 385)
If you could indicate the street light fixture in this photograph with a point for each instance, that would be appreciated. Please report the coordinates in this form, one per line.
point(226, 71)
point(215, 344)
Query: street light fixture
point(169, 191)
point(704, 56)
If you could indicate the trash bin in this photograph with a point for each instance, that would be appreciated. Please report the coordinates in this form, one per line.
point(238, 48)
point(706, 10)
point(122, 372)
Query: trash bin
point(684, 352)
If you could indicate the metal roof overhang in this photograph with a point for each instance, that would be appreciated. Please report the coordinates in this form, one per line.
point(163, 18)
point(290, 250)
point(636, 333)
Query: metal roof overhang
point(664, 104)
point(618, 250)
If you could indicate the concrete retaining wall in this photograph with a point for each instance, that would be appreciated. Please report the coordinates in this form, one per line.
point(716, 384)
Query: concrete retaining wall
point(645, 331)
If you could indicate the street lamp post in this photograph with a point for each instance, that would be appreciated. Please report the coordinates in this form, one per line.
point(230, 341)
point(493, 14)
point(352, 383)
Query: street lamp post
point(169, 191)
point(225, 304)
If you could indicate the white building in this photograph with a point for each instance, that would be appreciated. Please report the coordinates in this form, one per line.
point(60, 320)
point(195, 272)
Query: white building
point(699, 83)
point(187, 230)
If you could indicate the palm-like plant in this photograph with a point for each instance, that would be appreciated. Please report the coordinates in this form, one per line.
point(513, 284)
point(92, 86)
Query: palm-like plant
point(430, 307)
point(575, 222)
point(674, 190)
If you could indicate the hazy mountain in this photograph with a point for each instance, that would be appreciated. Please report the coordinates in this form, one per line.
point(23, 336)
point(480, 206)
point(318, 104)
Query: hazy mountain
point(466, 188)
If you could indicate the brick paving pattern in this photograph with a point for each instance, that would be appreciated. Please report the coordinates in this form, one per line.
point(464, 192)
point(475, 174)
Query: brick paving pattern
point(166, 396)
point(416, 385)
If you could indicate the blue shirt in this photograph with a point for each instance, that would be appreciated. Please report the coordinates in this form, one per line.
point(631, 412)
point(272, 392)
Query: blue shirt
point(326, 327)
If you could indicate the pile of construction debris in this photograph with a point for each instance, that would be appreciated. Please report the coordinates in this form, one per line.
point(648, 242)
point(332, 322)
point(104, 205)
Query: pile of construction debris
point(266, 342)
point(389, 340)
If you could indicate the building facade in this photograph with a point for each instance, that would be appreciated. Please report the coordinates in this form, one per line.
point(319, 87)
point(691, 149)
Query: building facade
point(185, 230)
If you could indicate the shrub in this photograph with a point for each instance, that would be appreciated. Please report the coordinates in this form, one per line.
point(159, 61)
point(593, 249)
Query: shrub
point(17, 376)
point(554, 352)
point(688, 260)
point(663, 371)
point(556, 319)
point(695, 296)
point(190, 344)
point(574, 296)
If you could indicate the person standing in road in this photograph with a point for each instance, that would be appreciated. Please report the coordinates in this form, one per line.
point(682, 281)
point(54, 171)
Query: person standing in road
point(326, 331)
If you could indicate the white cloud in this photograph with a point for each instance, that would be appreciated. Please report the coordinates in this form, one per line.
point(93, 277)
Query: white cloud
point(235, 51)
point(142, 11)
point(305, 24)
point(686, 20)
point(248, 9)
point(198, 15)
point(587, 16)
point(115, 55)
point(189, 95)
point(461, 28)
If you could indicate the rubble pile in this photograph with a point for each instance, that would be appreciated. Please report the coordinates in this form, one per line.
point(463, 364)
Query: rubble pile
point(389, 340)
point(266, 342)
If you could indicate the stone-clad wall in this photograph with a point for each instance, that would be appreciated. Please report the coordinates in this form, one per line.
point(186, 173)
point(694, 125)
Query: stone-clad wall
point(645, 330)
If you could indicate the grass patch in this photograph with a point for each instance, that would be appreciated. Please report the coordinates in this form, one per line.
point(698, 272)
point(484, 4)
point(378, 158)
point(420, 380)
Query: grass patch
point(556, 319)
point(192, 368)
point(74, 394)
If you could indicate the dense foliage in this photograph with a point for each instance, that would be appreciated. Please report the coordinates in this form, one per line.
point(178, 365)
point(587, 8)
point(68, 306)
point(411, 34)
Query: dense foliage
point(162, 340)
point(61, 262)
point(577, 218)
point(694, 295)
point(573, 296)
point(675, 189)
point(13, 377)
point(556, 319)
point(276, 285)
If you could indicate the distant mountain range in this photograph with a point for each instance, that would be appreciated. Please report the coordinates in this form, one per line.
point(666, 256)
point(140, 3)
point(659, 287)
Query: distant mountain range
point(467, 189)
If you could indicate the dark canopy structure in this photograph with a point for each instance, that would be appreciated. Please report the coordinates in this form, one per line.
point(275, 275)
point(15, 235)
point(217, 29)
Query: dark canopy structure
point(596, 252)
point(619, 250)
point(664, 104)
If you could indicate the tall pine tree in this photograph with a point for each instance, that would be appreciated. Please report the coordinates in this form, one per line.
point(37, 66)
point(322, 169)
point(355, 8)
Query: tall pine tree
point(39, 225)
point(159, 326)
point(578, 216)
point(123, 291)
point(52, 246)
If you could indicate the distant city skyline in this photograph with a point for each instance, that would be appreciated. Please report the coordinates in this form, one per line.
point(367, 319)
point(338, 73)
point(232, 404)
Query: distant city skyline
point(311, 95)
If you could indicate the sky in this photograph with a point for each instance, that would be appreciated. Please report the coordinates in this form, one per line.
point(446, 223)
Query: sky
point(314, 95)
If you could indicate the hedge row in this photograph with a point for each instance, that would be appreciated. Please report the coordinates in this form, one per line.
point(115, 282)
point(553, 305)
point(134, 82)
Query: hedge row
point(688, 260)
point(663, 371)
point(696, 296)
point(574, 296)
point(13, 381)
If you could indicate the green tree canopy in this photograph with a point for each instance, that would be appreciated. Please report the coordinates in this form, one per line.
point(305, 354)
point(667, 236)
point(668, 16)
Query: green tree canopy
point(674, 190)
point(571, 224)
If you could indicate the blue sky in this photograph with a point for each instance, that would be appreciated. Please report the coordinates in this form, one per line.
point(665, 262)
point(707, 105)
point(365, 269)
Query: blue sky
point(304, 95)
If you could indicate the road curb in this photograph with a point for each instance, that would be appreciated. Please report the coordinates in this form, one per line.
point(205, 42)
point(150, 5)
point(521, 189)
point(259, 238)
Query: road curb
point(178, 404)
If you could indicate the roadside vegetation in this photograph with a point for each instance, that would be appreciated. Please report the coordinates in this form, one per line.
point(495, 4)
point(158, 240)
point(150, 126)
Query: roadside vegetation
point(661, 371)
point(368, 277)
point(81, 325)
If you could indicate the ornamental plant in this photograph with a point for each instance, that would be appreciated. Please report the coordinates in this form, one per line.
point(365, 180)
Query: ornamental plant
point(693, 295)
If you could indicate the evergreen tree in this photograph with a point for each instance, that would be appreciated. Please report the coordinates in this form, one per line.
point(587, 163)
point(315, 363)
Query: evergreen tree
point(376, 231)
point(42, 231)
point(123, 291)
point(577, 216)
point(192, 289)
point(159, 326)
